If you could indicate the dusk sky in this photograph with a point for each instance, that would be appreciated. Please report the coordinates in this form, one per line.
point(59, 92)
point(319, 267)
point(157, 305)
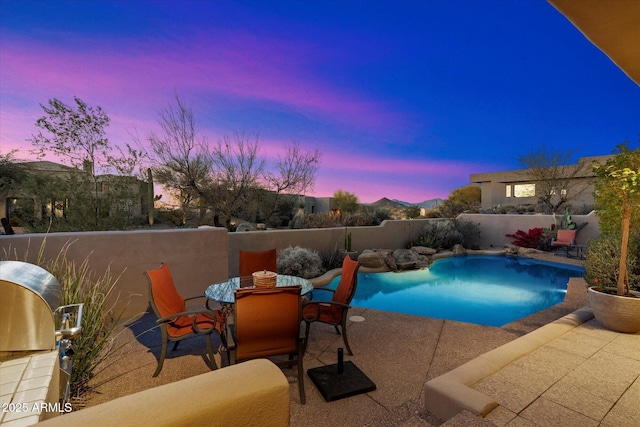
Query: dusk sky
point(404, 99)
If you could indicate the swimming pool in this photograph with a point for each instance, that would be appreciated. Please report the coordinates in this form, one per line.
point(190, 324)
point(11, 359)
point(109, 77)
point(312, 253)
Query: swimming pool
point(488, 290)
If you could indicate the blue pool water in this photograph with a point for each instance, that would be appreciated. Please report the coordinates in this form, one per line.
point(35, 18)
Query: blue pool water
point(487, 290)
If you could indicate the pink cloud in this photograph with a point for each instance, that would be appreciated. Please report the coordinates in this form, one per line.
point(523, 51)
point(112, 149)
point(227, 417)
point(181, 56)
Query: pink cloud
point(239, 66)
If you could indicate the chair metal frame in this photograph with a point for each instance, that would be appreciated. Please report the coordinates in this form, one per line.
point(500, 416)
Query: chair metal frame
point(259, 327)
point(325, 305)
point(214, 317)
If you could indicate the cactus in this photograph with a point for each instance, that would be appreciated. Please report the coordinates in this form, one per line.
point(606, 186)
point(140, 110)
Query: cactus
point(347, 241)
point(569, 224)
point(150, 195)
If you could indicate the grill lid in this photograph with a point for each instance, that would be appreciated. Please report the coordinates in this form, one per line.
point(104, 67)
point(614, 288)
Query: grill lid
point(28, 296)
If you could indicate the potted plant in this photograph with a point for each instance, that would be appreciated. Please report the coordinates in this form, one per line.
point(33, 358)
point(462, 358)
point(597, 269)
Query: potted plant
point(617, 197)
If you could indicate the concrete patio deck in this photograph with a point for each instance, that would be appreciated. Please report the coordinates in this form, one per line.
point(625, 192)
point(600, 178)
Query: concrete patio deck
point(583, 376)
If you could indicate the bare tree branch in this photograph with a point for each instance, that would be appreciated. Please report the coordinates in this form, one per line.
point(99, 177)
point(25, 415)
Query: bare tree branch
point(557, 180)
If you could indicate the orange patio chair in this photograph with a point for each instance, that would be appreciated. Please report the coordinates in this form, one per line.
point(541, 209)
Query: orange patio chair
point(334, 312)
point(250, 262)
point(564, 239)
point(176, 321)
point(267, 324)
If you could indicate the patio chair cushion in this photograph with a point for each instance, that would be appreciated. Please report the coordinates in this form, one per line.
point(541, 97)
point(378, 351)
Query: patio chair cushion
point(250, 262)
point(565, 238)
point(184, 324)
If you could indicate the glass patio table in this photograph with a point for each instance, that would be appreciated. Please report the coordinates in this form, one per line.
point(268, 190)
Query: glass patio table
point(223, 292)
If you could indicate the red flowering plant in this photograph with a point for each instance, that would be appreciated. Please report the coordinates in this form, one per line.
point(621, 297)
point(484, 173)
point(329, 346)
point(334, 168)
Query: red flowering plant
point(537, 238)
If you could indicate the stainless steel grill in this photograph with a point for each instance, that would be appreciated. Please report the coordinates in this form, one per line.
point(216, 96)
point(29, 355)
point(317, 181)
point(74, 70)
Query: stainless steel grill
point(31, 319)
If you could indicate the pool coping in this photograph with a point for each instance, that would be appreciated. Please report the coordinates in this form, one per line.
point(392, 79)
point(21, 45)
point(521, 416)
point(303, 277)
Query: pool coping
point(451, 393)
point(327, 277)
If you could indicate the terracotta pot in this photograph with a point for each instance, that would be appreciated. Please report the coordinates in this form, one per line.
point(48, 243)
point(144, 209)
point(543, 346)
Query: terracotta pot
point(620, 314)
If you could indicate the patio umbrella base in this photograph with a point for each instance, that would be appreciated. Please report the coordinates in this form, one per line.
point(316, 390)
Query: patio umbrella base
point(334, 385)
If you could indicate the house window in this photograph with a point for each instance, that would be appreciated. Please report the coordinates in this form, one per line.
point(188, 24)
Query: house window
point(524, 190)
point(508, 194)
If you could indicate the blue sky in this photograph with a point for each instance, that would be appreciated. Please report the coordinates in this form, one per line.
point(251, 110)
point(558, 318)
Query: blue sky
point(404, 99)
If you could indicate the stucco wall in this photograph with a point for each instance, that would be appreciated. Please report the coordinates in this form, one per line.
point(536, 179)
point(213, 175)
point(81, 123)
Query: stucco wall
point(197, 257)
point(495, 227)
point(389, 235)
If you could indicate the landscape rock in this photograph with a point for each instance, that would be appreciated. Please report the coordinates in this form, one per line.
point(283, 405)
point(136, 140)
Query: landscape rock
point(246, 226)
point(423, 250)
point(529, 251)
point(459, 250)
point(371, 259)
point(407, 259)
point(511, 249)
point(399, 259)
point(390, 260)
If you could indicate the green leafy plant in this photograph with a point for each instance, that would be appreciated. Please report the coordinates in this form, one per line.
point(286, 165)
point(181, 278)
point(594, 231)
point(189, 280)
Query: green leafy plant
point(470, 232)
point(617, 196)
point(439, 234)
point(603, 259)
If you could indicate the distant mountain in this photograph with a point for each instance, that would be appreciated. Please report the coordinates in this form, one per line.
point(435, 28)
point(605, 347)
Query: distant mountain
point(427, 204)
point(385, 203)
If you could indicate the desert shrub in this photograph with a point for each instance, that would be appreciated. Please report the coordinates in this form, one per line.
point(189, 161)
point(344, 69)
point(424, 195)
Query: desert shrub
point(301, 262)
point(440, 234)
point(331, 258)
point(322, 220)
point(347, 219)
point(603, 260)
point(470, 232)
point(100, 321)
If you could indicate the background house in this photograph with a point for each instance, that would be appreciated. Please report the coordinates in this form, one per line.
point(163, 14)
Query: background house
point(518, 187)
point(49, 190)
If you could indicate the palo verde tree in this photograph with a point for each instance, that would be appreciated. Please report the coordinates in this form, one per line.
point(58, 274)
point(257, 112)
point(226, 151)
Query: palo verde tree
point(412, 211)
point(179, 156)
point(461, 200)
point(293, 174)
point(229, 177)
point(557, 180)
point(76, 136)
point(345, 201)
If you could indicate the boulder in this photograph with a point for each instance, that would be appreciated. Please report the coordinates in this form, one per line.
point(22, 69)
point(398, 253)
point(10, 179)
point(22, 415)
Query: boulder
point(371, 259)
point(512, 249)
point(459, 250)
point(390, 260)
point(246, 226)
point(423, 250)
point(407, 259)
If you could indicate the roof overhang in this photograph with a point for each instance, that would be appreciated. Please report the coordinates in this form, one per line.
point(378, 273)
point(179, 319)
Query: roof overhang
point(613, 26)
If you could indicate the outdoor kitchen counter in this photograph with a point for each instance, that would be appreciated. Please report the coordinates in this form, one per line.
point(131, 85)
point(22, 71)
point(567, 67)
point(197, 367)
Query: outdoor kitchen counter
point(29, 388)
